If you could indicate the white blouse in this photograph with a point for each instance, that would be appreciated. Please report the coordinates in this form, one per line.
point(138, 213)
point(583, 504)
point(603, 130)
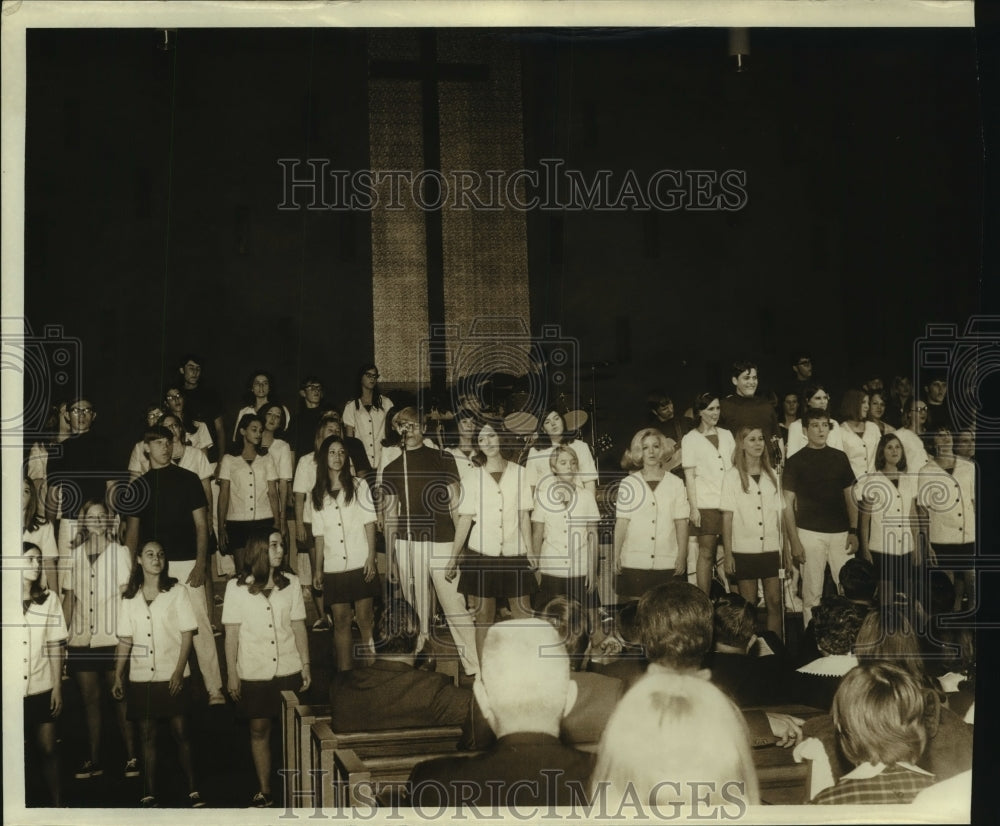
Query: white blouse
point(651, 541)
point(565, 552)
point(709, 462)
point(304, 481)
point(496, 509)
point(97, 591)
point(950, 501)
point(756, 512)
point(266, 642)
point(342, 526)
point(280, 453)
point(248, 500)
point(155, 631)
point(43, 628)
point(369, 425)
point(891, 511)
point(860, 450)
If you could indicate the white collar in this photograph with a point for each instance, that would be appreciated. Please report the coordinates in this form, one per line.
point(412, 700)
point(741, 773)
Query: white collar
point(834, 665)
point(865, 770)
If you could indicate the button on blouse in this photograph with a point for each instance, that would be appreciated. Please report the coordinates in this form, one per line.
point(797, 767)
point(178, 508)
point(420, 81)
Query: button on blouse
point(155, 631)
point(43, 627)
point(97, 588)
point(564, 547)
point(266, 641)
point(342, 526)
point(651, 541)
point(496, 509)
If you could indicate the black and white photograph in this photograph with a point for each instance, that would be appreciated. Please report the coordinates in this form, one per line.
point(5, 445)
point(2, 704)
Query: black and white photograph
point(519, 411)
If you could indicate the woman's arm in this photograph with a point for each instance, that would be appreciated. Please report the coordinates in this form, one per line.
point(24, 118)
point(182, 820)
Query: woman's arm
point(681, 527)
point(621, 531)
point(318, 547)
point(690, 475)
point(223, 512)
point(524, 526)
point(232, 653)
point(177, 678)
point(370, 568)
point(537, 540)
point(302, 643)
point(727, 542)
point(591, 549)
point(55, 653)
point(864, 528)
point(272, 498)
point(121, 660)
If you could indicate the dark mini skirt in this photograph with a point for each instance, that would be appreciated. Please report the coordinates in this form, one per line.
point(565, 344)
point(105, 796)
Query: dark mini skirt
point(152, 701)
point(711, 523)
point(37, 710)
point(81, 658)
point(349, 586)
point(262, 698)
point(632, 583)
point(757, 566)
point(943, 551)
point(491, 577)
point(574, 588)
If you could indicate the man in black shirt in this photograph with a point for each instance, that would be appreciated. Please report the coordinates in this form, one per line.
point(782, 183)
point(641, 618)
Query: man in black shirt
point(821, 516)
point(420, 492)
point(170, 508)
point(202, 404)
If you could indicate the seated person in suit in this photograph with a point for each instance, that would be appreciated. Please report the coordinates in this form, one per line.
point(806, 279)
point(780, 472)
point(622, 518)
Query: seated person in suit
point(836, 623)
point(524, 690)
point(675, 628)
point(390, 693)
point(878, 712)
point(748, 679)
point(596, 694)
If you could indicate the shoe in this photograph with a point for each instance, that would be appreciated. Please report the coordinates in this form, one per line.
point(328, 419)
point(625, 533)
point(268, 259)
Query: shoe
point(322, 624)
point(88, 769)
point(148, 802)
point(195, 801)
point(261, 801)
point(132, 767)
point(216, 698)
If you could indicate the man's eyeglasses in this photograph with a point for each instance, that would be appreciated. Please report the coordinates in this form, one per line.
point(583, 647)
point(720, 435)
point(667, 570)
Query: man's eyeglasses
point(313, 387)
point(82, 411)
point(174, 397)
point(371, 374)
point(804, 362)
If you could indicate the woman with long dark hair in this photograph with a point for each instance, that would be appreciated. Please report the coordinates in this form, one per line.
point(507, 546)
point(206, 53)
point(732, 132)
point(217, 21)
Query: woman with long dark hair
point(343, 526)
point(196, 433)
point(273, 444)
point(160, 617)
point(259, 388)
point(365, 416)
point(858, 435)
point(751, 523)
point(248, 489)
point(708, 454)
point(815, 397)
point(494, 515)
point(267, 651)
point(44, 636)
point(37, 530)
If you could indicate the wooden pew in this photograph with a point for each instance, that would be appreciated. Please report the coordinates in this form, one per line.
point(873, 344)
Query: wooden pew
point(782, 781)
point(387, 755)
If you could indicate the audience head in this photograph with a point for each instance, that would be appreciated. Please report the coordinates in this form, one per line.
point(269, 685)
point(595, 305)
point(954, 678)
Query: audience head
point(524, 683)
point(836, 623)
point(670, 730)
point(398, 629)
point(878, 712)
point(570, 620)
point(675, 625)
point(859, 581)
point(887, 636)
point(734, 621)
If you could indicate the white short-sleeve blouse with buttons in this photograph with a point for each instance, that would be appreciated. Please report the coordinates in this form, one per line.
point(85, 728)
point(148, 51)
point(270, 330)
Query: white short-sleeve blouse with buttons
point(756, 512)
point(496, 508)
point(651, 541)
point(43, 628)
point(342, 526)
point(266, 641)
point(248, 500)
point(950, 501)
point(369, 425)
point(709, 462)
point(565, 519)
point(891, 508)
point(303, 482)
point(97, 588)
point(155, 630)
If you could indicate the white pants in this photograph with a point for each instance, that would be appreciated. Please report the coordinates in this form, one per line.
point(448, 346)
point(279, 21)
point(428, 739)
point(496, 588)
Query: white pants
point(204, 640)
point(820, 549)
point(422, 563)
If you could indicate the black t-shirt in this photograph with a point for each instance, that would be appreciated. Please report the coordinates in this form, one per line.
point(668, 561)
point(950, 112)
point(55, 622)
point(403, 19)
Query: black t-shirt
point(168, 496)
point(429, 472)
point(818, 478)
point(82, 466)
point(740, 411)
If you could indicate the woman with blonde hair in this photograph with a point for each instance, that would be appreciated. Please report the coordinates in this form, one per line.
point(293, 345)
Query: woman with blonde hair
point(651, 525)
point(668, 732)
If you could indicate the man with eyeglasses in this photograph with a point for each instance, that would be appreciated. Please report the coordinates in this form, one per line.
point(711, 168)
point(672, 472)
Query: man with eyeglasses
point(78, 470)
point(312, 406)
point(910, 436)
point(802, 368)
